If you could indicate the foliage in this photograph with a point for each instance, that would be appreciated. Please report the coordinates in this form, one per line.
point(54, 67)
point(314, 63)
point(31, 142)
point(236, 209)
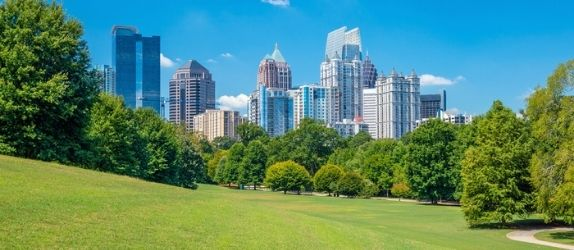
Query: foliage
point(377, 160)
point(495, 171)
point(430, 161)
point(46, 89)
point(551, 113)
point(287, 176)
point(249, 132)
point(369, 190)
point(400, 190)
point(223, 142)
point(350, 184)
point(230, 171)
point(325, 180)
point(214, 162)
point(359, 139)
point(252, 170)
point(189, 166)
point(310, 145)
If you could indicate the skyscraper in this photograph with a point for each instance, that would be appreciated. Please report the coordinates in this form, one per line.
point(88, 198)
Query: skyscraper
point(215, 123)
point(398, 104)
point(135, 60)
point(191, 92)
point(272, 109)
point(274, 71)
point(107, 75)
point(370, 110)
point(431, 105)
point(315, 102)
point(342, 69)
point(369, 73)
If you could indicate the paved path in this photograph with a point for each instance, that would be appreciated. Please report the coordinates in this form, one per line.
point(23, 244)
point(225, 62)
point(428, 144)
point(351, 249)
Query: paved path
point(528, 236)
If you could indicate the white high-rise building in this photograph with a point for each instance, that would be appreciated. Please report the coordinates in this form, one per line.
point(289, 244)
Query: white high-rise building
point(315, 102)
point(370, 110)
point(344, 43)
point(398, 101)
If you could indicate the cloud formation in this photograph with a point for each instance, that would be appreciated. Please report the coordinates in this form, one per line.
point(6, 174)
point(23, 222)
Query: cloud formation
point(430, 80)
point(227, 55)
point(279, 3)
point(237, 103)
point(165, 62)
point(211, 60)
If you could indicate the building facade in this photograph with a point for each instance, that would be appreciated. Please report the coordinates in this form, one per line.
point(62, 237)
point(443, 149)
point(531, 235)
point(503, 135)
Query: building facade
point(370, 110)
point(136, 62)
point(398, 101)
point(108, 83)
point(272, 109)
point(369, 73)
point(215, 123)
point(274, 71)
point(345, 43)
point(432, 105)
point(315, 102)
point(347, 128)
point(191, 92)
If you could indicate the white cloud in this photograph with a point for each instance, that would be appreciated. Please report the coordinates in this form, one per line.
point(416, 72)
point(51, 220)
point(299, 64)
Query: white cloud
point(165, 62)
point(280, 3)
point(238, 103)
point(227, 55)
point(428, 80)
point(211, 60)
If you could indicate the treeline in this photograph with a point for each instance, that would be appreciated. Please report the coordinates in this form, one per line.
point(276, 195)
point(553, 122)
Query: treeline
point(50, 108)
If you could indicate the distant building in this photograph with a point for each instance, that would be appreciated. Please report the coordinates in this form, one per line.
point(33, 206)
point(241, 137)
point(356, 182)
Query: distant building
point(217, 123)
point(369, 73)
point(370, 106)
point(135, 60)
point(107, 75)
point(315, 102)
point(457, 119)
point(432, 105)
point(191, 92)
point(398, 104)
point(274, 71)
point(272, 109)
point(347, 127)
point(344, 43)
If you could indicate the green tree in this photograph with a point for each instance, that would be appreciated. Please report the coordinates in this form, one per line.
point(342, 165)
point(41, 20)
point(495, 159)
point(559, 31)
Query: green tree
point(350, 184)
point(359, 139)
point(213, 163)
point(189, 165)
point(46, 87)
point(223, 142)
point(232, 165)
point(253, 166)
point(495, 171)
point(325, 180)
point(429, 160)
point(376, 161)
point(551, 113)
point(287, 176)
point(400, 190)
point(249, 132)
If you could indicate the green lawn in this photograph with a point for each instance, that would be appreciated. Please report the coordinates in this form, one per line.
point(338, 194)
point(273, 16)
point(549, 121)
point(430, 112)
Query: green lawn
point(44, 205)
point(564, 237)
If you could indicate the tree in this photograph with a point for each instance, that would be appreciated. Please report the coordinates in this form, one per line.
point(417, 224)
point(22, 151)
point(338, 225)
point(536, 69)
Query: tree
point(287, 176)
point(400, 190)
point(46, 89)
point(325, 180)
point(213, 163)
point(350, 184)
point(376, 160)
point(230, 173)
point(359, 139)
point(551, 113)
point(223, 142)
point(253, 166)
point(189, 165)
point(495, 171)
point(429, 160)
point(249, 132)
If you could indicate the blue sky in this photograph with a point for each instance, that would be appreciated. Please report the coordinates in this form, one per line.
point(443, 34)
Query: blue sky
point(478, 51)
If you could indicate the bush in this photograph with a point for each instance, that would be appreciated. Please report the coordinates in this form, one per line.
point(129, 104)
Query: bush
point(326, 178)
point(400, 190)
point(287, 176)
point(351, 184)
point(369, 189)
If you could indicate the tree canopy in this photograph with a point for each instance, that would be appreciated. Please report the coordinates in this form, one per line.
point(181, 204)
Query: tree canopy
point(287, 176)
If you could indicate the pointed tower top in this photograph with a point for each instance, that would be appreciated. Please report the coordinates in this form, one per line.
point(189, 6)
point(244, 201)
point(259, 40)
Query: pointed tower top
point(276, 55)
point(326, 58)
point(393, 72)
point(413, 73)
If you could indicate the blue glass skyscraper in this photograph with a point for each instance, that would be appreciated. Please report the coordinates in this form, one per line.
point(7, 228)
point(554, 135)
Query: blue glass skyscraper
point(136, 61)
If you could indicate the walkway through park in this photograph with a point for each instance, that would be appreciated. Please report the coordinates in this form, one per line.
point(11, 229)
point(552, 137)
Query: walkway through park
point(528, 236)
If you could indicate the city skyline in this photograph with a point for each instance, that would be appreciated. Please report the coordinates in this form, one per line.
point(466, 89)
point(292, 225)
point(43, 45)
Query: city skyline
point(476, 52)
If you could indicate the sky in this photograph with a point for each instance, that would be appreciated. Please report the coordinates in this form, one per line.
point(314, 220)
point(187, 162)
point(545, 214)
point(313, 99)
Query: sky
point(478, 51)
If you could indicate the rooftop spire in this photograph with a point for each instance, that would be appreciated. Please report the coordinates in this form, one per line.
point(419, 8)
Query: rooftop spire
point(276, 55)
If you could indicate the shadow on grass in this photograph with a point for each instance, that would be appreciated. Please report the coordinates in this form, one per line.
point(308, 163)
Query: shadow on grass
point(521, 224)
point(569, 235)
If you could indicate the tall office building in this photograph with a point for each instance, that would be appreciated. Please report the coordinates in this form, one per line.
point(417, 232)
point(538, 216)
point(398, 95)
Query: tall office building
point(342, 70)
point(370, 110)
point(398, 104)
point(215, 123)
point(135, 60)
point(431, 105)
point(369, 73)
point(107, 84)
point(274, 71)
point(315, 102)
point(272, 109)
point(191, 92)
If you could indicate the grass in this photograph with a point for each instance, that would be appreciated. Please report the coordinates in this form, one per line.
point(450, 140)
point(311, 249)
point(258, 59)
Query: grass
point(46, 205)
point(564, 237)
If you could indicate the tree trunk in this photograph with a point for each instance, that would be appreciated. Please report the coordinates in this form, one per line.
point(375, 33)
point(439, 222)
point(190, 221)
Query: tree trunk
point(254, 186)
point(298, 192)
point(284, 191)
point(387, 193)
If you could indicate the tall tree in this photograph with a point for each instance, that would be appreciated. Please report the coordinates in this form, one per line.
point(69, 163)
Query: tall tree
point(213, 163)
point(429, 160)
point(287, 176)
point(232, 165)
point(377, 161)
point(252, 170)
point(551, 112)
point(46, 89)
point(495, 171)
point(249, 132)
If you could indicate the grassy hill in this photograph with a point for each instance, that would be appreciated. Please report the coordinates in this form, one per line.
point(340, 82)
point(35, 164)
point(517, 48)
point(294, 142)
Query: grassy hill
point(45, 205)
